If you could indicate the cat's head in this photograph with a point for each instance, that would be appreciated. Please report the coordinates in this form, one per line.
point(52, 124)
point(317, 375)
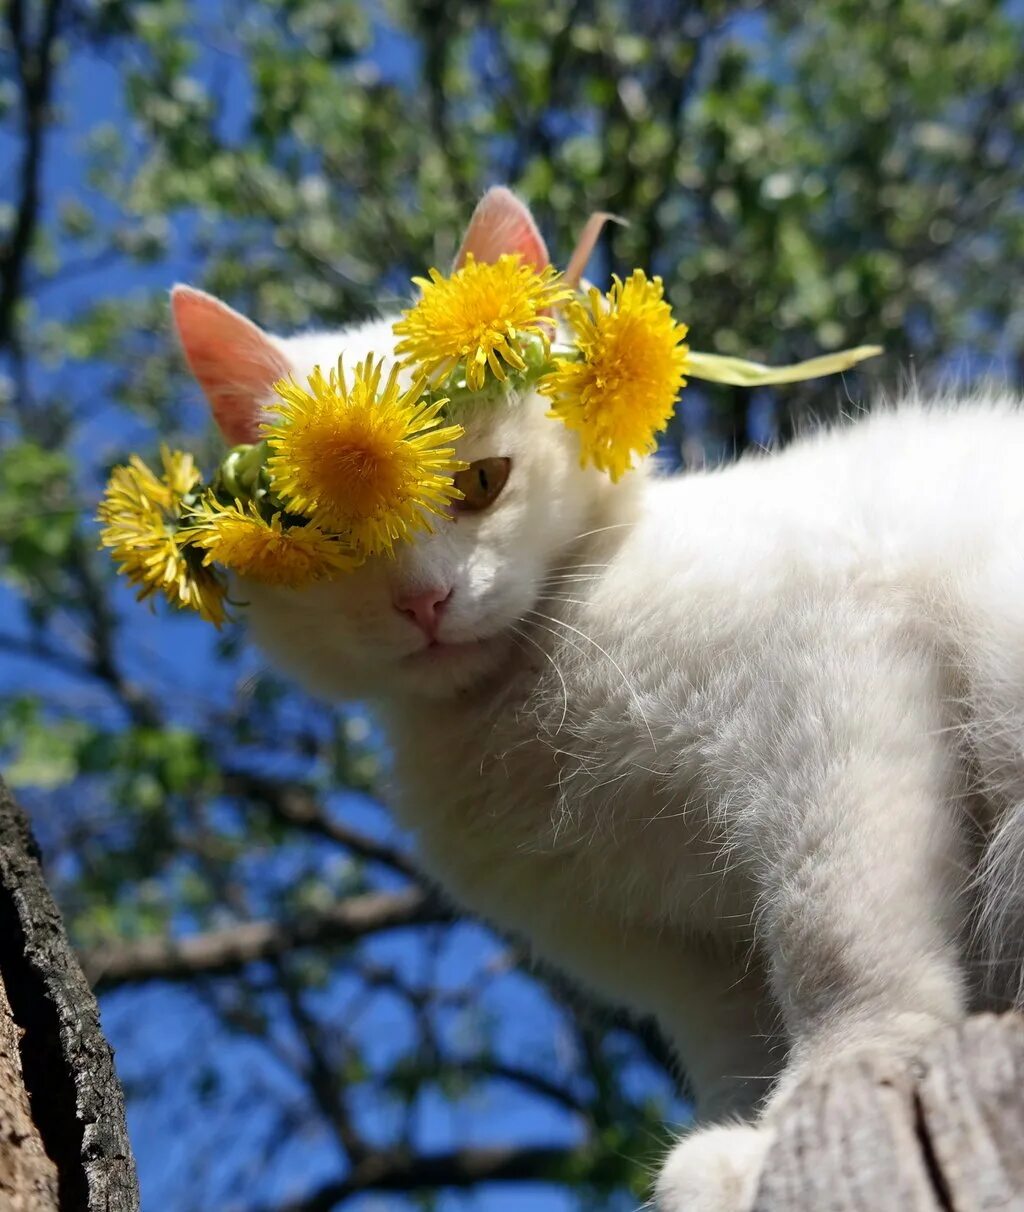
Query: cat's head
point(446, 613)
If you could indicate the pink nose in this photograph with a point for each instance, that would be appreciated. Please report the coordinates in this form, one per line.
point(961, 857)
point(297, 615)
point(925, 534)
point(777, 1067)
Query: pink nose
point(424, 608)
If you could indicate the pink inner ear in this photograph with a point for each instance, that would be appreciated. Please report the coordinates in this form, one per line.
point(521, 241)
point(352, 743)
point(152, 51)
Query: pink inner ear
point(233, 360)
point(502, 224)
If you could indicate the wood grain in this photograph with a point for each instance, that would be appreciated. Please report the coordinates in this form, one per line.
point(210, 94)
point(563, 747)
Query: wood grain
point(28, 1178)
point(871, 1136)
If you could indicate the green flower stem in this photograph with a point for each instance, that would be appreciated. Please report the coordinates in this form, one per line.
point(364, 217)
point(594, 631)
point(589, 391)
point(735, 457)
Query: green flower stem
point(715, 368)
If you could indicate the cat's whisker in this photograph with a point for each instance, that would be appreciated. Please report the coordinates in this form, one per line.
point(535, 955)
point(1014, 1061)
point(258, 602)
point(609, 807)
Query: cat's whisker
point(580, 564)
point(551, 597)
point(569, 577)
point(568, 586)
point(571, 573)
point(558, 577)
point(551, 660)
point(611, 660)
point(586, 534)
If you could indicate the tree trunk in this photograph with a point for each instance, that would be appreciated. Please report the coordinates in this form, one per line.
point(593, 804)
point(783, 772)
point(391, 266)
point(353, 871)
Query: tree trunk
point(63, 1141)
point(873, 1137)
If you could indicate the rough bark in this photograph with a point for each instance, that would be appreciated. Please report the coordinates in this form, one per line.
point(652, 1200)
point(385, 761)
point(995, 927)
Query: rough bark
point(870, 1137)
point(63, 1141)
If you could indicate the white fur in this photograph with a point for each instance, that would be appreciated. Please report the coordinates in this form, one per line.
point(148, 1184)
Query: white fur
point(742, 749)
point(714, 1169)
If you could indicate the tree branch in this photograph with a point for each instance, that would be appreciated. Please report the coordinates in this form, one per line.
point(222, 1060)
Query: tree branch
point(296, 805)
point(325, 1080)
point(140, 706)
point(517, 1075)
point(399, 1171)
point(35, 73)
point(35, 648)
point(227, 950)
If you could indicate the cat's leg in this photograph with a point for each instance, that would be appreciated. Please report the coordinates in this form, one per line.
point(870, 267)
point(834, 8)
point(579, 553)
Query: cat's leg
point(717, 1012)
point(863, 883)
point(863, 957)
point(711, 1003)
point(859, 857)
point(731, 1057)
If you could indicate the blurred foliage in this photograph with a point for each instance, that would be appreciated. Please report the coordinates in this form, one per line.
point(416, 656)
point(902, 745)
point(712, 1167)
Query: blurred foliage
point(803, 176)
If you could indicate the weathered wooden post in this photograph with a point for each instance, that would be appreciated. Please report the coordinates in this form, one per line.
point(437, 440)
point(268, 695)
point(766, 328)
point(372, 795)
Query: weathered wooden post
point(947, 1137)
point(63, 1142)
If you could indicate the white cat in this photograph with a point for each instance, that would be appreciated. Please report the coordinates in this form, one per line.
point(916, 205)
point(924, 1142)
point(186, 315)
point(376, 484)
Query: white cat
point(743, 749)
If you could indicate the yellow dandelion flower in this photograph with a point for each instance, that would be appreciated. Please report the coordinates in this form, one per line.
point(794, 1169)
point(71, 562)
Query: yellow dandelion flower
point(367, 462)
point(180, 472)
point(204, 592)
point(622, 389)
point(137, 486)
point(141, 513)
point(481, 316)
point(270, 552)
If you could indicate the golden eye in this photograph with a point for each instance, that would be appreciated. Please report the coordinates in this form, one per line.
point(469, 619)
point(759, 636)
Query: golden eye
point(481, 484)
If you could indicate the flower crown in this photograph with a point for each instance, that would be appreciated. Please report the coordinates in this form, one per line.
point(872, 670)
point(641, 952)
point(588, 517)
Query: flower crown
point(351, 466)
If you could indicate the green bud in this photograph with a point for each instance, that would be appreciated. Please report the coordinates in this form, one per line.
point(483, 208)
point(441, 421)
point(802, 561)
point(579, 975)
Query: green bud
point(242, 474)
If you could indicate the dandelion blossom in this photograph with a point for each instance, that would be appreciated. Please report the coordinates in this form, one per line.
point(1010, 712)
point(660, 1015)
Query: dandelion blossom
point(481, 316)
point(141, 513)
point(622, 389)
point(366, 462)
point(271, 552)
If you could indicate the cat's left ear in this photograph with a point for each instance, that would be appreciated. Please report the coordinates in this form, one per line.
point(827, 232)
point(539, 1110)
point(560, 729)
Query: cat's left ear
point(502, 224)
point(234, 361)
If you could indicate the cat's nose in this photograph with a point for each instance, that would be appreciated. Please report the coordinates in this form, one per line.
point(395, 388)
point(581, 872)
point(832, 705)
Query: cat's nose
point(424, 608)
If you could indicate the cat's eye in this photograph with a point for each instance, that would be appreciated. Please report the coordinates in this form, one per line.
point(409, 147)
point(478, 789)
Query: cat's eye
point(481, 484)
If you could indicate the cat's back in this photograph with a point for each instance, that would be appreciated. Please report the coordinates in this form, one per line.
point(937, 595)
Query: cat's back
point(902, 495)
point(762, 592)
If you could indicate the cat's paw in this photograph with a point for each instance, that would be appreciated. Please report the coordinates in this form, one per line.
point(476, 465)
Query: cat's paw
point(713, 1170)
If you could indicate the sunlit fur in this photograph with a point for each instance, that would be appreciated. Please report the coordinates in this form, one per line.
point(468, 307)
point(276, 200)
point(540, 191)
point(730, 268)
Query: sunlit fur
point(743, 749)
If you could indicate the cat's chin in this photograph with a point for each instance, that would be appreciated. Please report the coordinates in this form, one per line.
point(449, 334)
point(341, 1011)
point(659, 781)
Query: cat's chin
point(440, 670)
